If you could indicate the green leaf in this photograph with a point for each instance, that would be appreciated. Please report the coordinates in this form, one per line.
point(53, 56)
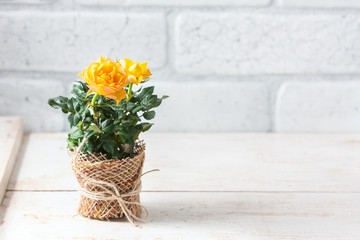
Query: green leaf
point(78, 91)
point(83, 108)
point(89, 144)
point(89, 134)
point(70, 105)
point(71, 120)
point(127, 132)
point(57, 102)
point(77, 105)
point(71, 143)
point(86, 113)
point(109, 147)
point(107, 126)
point(130, 106)
point(149, 115)
point(95, 128)
point(132, 118)
point(136, 109)
point(77, 118)
point(165, 97)
point(73, 105)
point(145, 92)
point(60, 103)
point(151, 102)
point(107, 143)
point(146, 126)
point(87, 120)
point(119, 115)
point(83, 86)
point(76, 134)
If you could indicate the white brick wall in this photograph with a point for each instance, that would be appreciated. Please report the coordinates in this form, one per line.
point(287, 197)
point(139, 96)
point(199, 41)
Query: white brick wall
point(28, 98)
point(229, 65)
point(267, 43)
point(69, 41)
point(176, 2)
point(321, 3)
point(26, 1)
point(213, 106)
point(318, 107)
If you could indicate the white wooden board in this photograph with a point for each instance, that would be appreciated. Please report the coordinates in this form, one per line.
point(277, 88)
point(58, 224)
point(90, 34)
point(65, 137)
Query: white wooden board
point(184, 215)
point(212, 162)
point(211, 186)
point(11, 131)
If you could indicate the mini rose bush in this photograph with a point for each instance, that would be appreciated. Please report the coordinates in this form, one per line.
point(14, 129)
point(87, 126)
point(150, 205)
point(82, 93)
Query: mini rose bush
point(105, 110)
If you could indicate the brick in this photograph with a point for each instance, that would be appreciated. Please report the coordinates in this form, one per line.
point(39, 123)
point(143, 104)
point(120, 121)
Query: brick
point(332, 107)
point(212, 106)
point(28, 98)
point(70, 41)
point(321, 3)
point(177, 2)
point(26, 1)
point(267, 43)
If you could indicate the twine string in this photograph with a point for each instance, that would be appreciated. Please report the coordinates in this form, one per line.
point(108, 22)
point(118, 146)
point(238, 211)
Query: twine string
point(108, 191)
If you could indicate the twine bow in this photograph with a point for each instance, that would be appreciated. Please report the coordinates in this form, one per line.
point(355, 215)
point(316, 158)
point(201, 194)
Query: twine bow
point(110, 192)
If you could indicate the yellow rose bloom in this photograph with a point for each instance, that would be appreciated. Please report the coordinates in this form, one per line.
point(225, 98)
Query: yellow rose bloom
point(136, 71)
point(106, 77)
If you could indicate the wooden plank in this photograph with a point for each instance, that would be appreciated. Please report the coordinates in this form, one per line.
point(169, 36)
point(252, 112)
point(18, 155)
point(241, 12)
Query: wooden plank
point(43, 164)
point(11, 131)
point(184, 215)
point(212, 162)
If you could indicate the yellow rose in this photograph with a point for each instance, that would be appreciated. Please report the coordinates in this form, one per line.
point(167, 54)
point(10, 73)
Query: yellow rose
point(106, 77)
point(136, 71)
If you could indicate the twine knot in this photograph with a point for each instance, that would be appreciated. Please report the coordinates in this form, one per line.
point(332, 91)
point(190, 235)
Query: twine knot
point(107, 190)
point(110, 192)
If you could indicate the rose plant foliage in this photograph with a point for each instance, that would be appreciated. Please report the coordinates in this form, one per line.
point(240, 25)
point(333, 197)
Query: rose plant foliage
point(105, 110)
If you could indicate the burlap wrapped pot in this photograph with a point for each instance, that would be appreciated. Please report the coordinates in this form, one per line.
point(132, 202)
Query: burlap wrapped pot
point(109, 188)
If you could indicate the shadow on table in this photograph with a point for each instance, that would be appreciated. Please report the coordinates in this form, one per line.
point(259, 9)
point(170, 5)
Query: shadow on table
point(200, 208)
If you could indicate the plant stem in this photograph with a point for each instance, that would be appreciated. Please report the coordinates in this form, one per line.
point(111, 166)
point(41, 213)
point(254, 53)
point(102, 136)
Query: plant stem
point(92, 106)
point(129, 92)
point(93, 100)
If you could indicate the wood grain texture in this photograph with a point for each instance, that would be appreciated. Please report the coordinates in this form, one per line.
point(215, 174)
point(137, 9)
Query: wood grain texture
point(50, 215)
point(211, 186)
point(212, 162)
point(11, 132)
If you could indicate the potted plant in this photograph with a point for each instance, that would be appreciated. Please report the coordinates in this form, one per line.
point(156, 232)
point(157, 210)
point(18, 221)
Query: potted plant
point(107, 115)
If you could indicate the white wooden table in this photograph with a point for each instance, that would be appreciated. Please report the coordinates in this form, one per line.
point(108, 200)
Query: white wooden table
point(210, 186)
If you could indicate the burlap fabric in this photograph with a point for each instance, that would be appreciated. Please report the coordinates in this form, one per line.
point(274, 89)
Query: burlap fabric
point(109, 188)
